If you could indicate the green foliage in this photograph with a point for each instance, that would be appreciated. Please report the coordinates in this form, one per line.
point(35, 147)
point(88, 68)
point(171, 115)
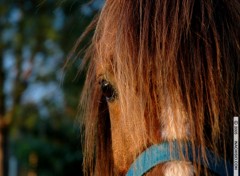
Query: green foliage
point(44, 134)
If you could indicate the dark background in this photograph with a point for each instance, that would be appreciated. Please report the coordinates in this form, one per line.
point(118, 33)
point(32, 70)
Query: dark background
point(39, 130)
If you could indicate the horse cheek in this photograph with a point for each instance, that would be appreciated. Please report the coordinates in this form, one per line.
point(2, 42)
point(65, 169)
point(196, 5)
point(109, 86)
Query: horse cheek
point(120, 143)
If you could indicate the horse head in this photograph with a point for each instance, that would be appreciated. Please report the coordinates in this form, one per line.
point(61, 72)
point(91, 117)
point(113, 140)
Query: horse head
point(161, 71)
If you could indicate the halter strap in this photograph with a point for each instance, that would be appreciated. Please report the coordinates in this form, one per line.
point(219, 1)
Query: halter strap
point(160, 153)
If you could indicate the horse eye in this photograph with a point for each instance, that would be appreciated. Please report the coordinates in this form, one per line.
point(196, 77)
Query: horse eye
point(108, 90)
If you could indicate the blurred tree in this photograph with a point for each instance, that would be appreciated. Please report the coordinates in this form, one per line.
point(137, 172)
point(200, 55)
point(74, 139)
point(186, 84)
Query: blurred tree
point(3, 126)
point(36, 107)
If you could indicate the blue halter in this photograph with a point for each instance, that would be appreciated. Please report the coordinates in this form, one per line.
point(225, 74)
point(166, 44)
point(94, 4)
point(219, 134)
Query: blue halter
point(160, 153)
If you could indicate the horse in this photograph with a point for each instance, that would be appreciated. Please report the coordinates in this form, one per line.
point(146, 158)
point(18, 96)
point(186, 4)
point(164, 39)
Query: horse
point(165, 75)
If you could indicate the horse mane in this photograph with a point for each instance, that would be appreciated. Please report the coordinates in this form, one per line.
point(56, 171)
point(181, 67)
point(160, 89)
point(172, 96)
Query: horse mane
point(183, 53)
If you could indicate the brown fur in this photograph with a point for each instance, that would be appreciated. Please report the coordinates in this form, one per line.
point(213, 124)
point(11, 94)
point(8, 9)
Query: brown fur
point(174, 64)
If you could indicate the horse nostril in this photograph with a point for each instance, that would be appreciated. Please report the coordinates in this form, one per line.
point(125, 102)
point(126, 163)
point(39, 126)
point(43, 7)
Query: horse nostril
point(108, 90)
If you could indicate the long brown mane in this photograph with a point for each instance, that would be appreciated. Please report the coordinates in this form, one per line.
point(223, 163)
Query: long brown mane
point(182, 53)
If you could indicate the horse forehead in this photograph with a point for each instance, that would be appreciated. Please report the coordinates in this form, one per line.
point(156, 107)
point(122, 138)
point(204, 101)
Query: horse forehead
point(104, 70)
point(101, 66)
